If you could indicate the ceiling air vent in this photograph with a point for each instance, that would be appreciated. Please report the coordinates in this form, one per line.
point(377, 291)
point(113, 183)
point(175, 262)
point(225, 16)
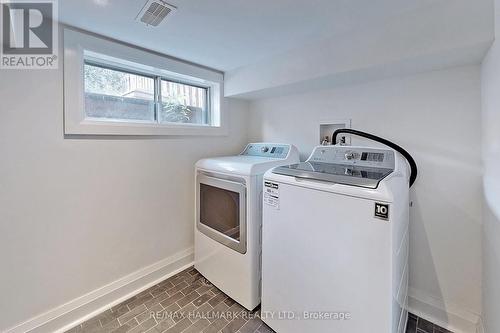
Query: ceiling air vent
point(154, 11)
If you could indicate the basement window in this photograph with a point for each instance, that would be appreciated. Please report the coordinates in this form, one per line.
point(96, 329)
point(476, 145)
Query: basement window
point(117, 94)
point(183, 103)
point(113, 89)
point(112, 94)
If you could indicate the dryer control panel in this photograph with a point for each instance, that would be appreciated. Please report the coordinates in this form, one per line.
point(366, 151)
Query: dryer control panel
point(369, 157)
point(272, 150)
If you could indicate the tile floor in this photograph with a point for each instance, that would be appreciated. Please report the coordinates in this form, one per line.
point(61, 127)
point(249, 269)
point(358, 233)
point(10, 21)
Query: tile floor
point(188, 303)
point(419, 325)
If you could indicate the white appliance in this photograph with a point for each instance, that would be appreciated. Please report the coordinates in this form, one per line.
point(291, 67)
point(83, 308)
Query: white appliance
point(229, 218)
point(335, 243)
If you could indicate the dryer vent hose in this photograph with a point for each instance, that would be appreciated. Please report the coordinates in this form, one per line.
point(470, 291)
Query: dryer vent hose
point(407, 156)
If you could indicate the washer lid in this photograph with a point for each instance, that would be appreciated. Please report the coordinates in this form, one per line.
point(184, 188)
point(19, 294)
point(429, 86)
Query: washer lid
point(353, 175)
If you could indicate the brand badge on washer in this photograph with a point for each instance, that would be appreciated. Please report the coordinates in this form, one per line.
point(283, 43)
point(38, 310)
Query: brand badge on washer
point(272, 194)
point(382, 211)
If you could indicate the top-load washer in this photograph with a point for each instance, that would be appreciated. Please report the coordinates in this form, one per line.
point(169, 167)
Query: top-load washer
point(229, 218)
point(335, 242)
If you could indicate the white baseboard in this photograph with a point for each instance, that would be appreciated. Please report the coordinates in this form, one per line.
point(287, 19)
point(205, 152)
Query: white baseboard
point(85, 307)
point(450, 316)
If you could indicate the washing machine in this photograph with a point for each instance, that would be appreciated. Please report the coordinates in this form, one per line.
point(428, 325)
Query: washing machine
point(335, 242)
point(229, 218)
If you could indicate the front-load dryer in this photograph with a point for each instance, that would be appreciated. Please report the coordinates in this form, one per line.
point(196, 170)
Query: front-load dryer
point(335, 242)
point(229, 218)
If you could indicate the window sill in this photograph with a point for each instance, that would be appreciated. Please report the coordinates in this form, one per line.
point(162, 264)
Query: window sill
point(110, 127)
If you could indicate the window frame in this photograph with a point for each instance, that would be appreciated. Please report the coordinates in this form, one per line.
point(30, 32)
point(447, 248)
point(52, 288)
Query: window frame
point(80, 48)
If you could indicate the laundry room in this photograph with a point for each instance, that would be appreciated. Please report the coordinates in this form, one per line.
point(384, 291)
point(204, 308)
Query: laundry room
point(186, 166)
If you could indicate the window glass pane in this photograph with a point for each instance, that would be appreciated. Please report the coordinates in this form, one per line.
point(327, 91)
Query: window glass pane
point(182, 103)
point(114, 94)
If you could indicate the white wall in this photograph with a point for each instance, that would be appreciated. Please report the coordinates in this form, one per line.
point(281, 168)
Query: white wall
point(436, 116)
point(79, 213)
point(491, 160)
point(436, 35)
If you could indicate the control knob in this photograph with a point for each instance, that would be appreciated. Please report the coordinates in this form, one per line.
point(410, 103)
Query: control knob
point(265, 149)
point(351, 155)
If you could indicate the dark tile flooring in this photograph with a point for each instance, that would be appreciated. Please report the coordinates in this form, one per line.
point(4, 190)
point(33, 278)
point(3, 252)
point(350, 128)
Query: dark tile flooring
point(188, 303)
point(419, 325)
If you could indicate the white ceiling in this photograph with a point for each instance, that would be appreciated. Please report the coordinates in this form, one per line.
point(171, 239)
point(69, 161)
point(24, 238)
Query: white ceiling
point(226, 34)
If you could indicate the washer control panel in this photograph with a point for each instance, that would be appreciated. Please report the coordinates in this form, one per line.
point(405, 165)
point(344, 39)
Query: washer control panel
point(271, 150)
point(370, 157)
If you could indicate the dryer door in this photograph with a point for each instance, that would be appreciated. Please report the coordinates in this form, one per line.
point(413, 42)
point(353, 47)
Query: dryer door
point(221, 211)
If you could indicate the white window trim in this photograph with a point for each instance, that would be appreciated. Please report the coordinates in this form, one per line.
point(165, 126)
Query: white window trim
point(78, 46)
